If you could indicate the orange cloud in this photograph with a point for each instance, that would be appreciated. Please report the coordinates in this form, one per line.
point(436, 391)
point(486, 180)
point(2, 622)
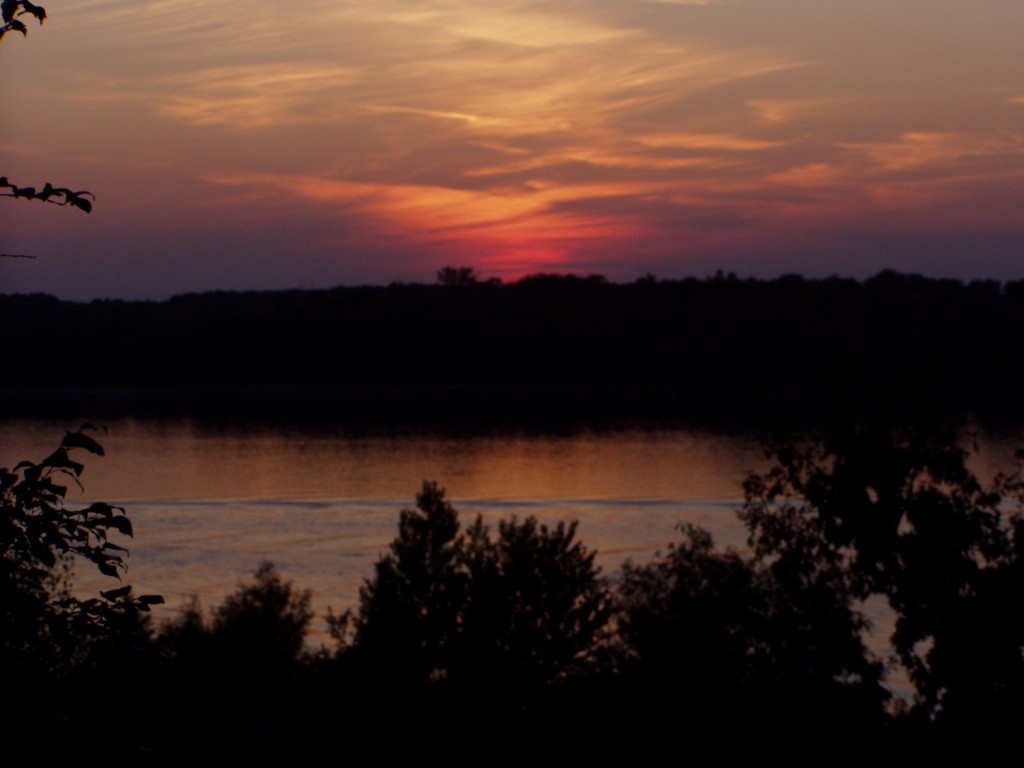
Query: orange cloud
point(811, 175)
point(707, 141)
point(519, 131)
point(918, 149)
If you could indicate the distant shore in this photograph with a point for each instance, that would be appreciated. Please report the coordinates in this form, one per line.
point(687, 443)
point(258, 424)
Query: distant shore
point(723, 352)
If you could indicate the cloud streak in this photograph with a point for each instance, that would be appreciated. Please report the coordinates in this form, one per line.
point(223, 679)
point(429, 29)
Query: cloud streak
point(592, 134)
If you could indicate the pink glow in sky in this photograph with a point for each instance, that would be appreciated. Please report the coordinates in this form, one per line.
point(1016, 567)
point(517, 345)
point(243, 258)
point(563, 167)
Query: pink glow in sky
point(253, 144)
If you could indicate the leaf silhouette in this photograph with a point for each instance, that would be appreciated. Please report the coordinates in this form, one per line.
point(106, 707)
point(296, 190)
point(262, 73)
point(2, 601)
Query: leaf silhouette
point(82, 203)
point(114, 594)
point(79, 440)
point(38, 11)
point(81, 199)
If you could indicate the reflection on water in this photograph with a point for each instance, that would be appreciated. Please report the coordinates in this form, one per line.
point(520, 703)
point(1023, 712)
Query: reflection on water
point(330, 545)
point(208, 506)
point(181, 461)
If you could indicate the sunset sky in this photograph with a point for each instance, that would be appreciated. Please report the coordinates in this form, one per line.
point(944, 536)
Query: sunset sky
point(252, 144)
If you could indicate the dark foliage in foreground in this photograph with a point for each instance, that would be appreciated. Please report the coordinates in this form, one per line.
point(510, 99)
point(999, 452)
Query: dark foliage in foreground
point(515, 629)
point(55, 646)
point(712, 638)
point(898, 515)
point(479, 621)
point(234, 681)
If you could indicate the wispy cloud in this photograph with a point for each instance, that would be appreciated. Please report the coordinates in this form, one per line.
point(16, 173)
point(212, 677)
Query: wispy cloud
point(942, 151)
point(558, 132)
point(256, 95)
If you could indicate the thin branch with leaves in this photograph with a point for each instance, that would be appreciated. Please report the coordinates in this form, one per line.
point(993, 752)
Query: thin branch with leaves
point(10, 13)
point(10, 10)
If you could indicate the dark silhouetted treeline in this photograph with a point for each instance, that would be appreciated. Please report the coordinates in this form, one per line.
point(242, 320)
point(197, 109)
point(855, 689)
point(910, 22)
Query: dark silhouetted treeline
point(468, 640)
point(548, 348)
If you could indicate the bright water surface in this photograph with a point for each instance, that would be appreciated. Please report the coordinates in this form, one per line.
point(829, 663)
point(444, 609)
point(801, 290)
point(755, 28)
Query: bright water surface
point(209, 505)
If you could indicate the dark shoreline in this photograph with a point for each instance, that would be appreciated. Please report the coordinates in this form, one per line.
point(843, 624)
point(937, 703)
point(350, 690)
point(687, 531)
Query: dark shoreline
point(470, 410)
point(722, 353)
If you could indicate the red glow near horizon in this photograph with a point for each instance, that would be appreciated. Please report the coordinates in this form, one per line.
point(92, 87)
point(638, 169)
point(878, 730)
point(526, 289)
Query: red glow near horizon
point(384, 142)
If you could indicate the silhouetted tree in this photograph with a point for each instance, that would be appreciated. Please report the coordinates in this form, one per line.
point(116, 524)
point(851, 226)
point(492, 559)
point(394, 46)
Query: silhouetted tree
point(898, 514)
point(409, 611)
point(478, 618)
point(457, 277)
point(716, 641)
point(258, 630)
point(39, 537)
point(48, 635)
point(242, 672)
point(536, 613)
point(268, 618)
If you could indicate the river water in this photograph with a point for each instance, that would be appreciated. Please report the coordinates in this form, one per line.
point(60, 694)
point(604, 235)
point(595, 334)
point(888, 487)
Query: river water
point(209, 504)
